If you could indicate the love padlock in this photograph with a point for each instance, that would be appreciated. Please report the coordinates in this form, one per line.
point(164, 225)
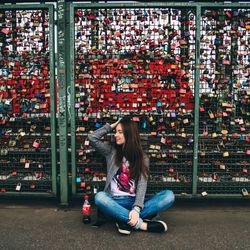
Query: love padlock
point(171, 170)
point(222, 167)
point(211, 114)
point(244, 192)
point(225, 154)
point(214, 135)
point(205, 131)
point(204, 193)
point(12, 143)
point(26, 146)
point(4, 151)
point(22, 159)
point(36, 143)
point(82, 184)
point(224, 131)
point(18, 187)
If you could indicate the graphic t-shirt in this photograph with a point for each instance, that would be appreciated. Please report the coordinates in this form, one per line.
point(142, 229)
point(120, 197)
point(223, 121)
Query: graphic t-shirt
point(121, 183)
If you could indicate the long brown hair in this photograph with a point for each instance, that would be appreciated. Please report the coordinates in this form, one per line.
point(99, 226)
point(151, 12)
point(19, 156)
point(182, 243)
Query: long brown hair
point(132, 150)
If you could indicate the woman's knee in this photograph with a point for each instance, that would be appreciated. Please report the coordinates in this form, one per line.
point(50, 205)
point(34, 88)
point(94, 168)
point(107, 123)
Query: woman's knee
point(100, 198)
point(169, 196)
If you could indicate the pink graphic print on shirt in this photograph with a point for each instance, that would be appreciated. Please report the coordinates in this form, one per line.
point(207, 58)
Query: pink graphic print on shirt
point(124, 183)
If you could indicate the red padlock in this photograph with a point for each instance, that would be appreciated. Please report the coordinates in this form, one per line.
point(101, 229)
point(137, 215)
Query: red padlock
point(83, 184)
point(36, 144)
point(87, 169)
point(171, 170)
point(245, 170)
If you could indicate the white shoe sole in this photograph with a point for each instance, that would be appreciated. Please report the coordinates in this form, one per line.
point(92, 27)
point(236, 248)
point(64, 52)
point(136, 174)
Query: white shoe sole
point(122, 231)
point(164, 224)
point(160, 221)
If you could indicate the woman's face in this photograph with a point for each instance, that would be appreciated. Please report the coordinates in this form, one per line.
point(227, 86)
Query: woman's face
point(119, 136)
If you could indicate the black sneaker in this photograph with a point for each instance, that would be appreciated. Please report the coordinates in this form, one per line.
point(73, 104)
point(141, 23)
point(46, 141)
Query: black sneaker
point(153, 217)
point(157, 226)
point(123, 228)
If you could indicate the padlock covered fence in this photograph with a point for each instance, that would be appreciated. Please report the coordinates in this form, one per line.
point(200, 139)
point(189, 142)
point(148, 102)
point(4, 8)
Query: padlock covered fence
point(182, 73)
point(27, 164)
point(224, 101)
point(179, 70)
point(128, 62)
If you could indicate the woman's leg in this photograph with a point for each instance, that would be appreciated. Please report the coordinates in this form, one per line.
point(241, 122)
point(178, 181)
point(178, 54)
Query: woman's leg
point(120, 208)
point(158, 203)
point(116, 208)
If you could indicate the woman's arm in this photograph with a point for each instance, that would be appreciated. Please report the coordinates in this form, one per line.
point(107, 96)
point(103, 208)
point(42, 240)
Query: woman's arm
point(95, 138)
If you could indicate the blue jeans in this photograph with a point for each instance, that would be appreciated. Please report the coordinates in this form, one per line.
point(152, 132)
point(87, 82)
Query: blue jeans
point(118, 207)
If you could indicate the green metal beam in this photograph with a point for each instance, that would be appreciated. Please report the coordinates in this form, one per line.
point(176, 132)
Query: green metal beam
point(116, 1)
point(162, 5)
point(68, 46)
point(25, 7)
point(72, 101)
point(62, 102)
point(52, 99)
point(200, 197)
point(197, 103)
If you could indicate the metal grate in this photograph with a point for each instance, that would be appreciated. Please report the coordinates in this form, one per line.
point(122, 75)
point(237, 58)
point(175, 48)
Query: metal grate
point(224, 101)
point(137, 61)
point(25, 138)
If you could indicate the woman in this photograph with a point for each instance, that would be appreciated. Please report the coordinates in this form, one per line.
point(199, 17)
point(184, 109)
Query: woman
point(126, 182)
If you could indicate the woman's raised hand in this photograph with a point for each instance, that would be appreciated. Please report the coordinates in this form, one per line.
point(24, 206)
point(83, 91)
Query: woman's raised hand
point(113, 125)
